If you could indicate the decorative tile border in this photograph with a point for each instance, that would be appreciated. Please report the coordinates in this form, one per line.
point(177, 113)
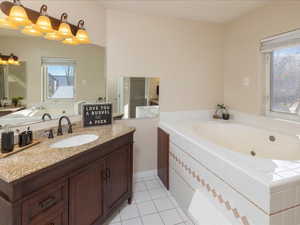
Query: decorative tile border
point(212, 191)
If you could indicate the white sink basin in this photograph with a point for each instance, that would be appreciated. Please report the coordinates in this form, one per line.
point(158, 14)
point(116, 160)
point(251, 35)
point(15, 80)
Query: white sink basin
point(75, 141)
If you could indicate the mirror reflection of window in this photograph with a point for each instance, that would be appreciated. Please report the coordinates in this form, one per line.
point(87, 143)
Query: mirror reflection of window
point(138, 97)
point(59, 79)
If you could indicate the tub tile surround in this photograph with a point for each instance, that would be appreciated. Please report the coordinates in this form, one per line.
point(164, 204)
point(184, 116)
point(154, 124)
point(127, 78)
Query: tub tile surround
point(275, 185)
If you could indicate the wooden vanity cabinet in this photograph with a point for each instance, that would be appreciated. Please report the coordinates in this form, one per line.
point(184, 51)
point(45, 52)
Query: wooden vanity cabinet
point(83, 190)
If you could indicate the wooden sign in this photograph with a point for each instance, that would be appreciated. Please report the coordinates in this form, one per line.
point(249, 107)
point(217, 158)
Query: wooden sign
point(97, 114)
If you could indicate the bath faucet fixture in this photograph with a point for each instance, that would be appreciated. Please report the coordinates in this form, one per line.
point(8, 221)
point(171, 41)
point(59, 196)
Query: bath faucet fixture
point(46, 115)
point(59, 129)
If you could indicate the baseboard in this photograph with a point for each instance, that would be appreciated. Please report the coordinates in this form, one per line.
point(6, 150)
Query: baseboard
point(143, 174)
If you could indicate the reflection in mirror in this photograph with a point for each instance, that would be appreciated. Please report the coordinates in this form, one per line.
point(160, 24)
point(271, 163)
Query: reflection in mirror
point(52, 78)
point(138, 97)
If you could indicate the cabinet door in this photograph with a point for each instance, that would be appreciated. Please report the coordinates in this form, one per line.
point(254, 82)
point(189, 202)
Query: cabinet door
point(163, 157)
point(86, 195)
point(118, 176)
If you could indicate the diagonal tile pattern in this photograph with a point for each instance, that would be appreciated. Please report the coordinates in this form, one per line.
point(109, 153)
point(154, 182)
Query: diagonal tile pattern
point(152, 205)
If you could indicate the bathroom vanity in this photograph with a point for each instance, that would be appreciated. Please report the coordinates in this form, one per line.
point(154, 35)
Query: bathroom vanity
point(80, 185)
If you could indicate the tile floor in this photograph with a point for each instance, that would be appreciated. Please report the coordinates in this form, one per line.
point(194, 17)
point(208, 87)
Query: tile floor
point(152, 205)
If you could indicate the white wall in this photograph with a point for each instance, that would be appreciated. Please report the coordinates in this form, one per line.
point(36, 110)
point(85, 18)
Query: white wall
point(186, 56)
point(242, 58)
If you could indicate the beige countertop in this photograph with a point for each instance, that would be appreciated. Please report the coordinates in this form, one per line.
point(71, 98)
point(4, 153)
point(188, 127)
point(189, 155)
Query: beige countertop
point(42, 156)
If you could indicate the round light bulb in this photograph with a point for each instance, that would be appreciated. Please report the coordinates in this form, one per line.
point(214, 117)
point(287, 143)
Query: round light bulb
point(32, 31)
point(6, 24)
point(53, 36)
point(18, 16)
point(64, 30)
point(43, 24)
point(11, 60)
point(82, 36)
point(71, 41)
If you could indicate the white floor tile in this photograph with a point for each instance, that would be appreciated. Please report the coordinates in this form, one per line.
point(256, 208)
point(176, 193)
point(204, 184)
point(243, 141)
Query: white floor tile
point(136, 221)
point(150, 178)
point(139, 186)
point(153, 219)
point(163, 204)
point(158, 193)
point(171, 217)
point(142, 196)
point(118, 223)
point(182, 214)
point(129, 212)
point(152, 184)
point(146, 208)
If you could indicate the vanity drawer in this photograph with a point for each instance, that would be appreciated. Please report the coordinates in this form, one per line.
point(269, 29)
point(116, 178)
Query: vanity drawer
point(57, 219)
point(48, 201)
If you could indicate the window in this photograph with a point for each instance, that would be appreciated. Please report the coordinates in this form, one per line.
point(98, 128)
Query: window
point(283, 75)
point(58, 79)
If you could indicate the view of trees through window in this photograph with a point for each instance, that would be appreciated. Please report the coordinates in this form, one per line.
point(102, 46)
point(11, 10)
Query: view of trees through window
point(60, 79)
point(285, 80)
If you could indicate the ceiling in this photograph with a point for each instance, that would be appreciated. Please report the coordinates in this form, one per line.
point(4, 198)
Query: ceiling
point(219, 11)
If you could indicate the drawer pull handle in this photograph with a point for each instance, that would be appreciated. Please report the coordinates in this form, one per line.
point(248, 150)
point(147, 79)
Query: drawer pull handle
point(47, 203)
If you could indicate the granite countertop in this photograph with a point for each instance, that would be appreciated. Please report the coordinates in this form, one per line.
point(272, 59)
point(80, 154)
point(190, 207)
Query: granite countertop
point(42, 156)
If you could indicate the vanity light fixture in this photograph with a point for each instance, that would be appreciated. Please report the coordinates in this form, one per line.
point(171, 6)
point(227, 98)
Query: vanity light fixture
point(6, 24)
point(81, 34)
point(11, 59)
point(53, 36)
point(18, 14)
point(34, 23)
point(43, 24)
point(71, 41)
point(32, 30)
point(64, 29)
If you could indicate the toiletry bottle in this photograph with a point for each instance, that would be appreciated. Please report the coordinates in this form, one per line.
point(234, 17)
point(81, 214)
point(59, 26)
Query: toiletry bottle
point(7, 140)
point(29, 136)
point(23, 139)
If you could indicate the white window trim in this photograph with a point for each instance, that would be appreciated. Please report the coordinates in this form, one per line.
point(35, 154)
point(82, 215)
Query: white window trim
point(269, 112)
point(52, 60)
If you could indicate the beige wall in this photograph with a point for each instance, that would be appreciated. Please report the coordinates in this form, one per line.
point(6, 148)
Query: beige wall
point(90, 65)
point(185, 55)
point(242, 58)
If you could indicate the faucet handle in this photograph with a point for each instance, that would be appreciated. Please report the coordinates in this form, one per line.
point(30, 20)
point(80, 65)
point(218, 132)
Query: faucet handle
point(59, 131)
point(70, 130)
point(50, 135)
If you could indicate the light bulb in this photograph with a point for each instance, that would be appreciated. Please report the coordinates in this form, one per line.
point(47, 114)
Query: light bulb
point(64, 29)
point(43, 23)
point(53, 36)
point(82, 37)
point(32, 31)
point(81, 34)
point(18, 15)
point(71, 41)
point(7, 24)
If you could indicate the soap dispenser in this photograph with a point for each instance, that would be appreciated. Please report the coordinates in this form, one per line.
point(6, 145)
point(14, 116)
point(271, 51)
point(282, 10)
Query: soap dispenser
point(7, 140)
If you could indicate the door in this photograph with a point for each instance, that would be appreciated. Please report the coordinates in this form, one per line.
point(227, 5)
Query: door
point(137, 94)
point(118, 176)
point(163, 157)
point(86, 195)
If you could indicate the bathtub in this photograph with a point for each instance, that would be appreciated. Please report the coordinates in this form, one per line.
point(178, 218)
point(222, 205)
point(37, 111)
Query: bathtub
point(250, 173)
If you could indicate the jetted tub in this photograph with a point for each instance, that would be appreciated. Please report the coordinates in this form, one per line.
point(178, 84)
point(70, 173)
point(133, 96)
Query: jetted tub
point(254, 170)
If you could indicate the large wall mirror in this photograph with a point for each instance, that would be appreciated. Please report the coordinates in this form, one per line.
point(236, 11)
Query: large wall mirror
point(51, 78)
point(135, 97)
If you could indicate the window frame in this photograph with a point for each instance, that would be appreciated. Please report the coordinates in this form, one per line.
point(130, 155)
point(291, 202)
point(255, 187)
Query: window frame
point(56, 61)
point(268, 107)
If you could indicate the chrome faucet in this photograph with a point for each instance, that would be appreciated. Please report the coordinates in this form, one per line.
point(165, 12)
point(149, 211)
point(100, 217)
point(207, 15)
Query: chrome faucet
point(46, 115)
point(59, 129)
